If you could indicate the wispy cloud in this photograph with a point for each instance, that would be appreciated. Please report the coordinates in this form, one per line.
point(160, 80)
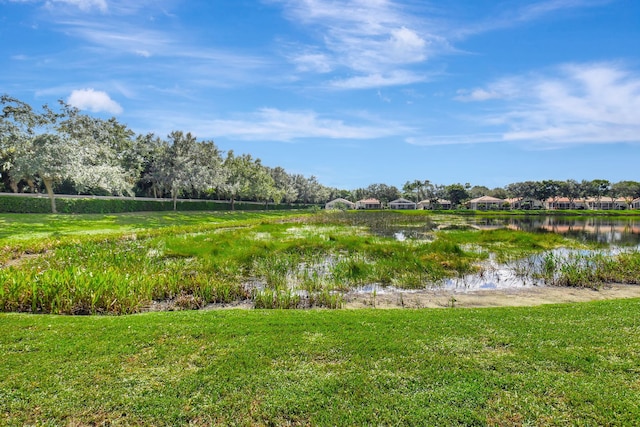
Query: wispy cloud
point(271, 124)
point(515, 16)
point(393, 78)
point(376, 42)
point(575, 104)
point(372, 44)
point(104, 7)
point(480, 138)
point(84, 5)
point(119, 39)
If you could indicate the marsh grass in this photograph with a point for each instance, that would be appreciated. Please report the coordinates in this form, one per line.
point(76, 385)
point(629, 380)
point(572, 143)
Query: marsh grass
point(277, 260)
point(591, 269)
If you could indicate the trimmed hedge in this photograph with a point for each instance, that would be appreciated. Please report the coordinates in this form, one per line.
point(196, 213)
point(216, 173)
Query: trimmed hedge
point(19, 204)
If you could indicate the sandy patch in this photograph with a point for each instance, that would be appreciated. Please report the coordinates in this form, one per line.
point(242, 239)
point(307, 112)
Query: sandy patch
point(529, 296)
point(517, 297)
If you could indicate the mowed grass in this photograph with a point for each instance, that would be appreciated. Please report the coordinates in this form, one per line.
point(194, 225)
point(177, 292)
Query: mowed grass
point(576, 364)
point(15, 228)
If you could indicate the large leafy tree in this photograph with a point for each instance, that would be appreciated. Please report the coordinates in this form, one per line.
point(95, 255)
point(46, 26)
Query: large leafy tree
point(114, 162)
point(597, 188)
point(285, 189)
point(457, 193)
point(383, 192)
point(571, 189)
point(628, 190)
point(184, 165)
point(239, 170)
point(418, 190)
point(52, 146)
point(310, 190)
point(479, 191)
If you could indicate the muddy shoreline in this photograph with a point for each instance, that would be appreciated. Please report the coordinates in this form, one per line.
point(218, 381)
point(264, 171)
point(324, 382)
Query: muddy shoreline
point(516, 297)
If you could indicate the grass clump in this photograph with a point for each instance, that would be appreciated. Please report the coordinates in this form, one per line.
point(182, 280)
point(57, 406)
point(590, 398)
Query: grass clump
point(591, 269)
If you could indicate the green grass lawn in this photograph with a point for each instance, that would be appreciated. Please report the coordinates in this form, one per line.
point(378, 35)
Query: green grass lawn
point(576, 364)
point(29, 227)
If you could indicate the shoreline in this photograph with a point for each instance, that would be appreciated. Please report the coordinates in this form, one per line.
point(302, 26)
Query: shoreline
point(516, 297)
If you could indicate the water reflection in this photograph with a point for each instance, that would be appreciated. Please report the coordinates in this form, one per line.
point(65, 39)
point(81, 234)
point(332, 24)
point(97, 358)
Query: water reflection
point(604, 230)
point(619, 232)
point(516, 274)
point(614, 233)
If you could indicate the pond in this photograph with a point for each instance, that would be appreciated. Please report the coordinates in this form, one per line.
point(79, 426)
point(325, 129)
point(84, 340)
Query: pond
point(605, 230)
point(613, 234)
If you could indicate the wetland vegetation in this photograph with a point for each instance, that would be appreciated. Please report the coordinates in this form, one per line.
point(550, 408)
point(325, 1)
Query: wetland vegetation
point(129, 263)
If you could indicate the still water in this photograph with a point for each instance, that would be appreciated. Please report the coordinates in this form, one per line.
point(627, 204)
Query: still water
point(618, 232)
point(614, 234)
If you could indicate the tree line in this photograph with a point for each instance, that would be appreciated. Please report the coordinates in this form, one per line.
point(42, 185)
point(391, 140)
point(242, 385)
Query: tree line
point(64, 151)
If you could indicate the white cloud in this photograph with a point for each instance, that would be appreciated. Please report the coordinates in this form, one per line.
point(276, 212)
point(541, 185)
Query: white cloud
point(579, 103)
point(477, 95)
point(314, 62)
point(84, 5)
point(143, 53)
point(508, 17)
point(367, 41)
point(271, 124)
point(375, 41)
point(120, 38)
point(394, 78)
point(480, 138)
point(95, 101)
point(407, 45)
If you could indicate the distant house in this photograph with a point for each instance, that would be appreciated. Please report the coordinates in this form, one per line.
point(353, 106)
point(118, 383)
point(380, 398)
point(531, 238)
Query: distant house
point(524, 203)
point(438, 204)
point(340, 203)
point(402, 204)
point(606, 204)
point(485, 203)
point(565, 203)
point(368, 204)
point(635, 204)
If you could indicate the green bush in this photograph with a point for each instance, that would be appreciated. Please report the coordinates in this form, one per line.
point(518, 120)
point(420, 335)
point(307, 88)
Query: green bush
point(13, 204)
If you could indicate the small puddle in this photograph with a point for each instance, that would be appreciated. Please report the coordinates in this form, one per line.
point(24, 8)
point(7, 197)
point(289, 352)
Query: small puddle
point(495, 276)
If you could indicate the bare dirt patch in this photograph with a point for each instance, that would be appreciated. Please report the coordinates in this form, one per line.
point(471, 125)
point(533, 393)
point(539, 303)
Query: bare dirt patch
point(517, 297)
point(15, 262)
point(529, 296)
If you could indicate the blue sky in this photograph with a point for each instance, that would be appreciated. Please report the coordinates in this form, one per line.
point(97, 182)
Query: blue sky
point(355, 92)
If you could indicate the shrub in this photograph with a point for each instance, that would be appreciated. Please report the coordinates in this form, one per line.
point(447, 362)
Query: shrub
point(91, 205)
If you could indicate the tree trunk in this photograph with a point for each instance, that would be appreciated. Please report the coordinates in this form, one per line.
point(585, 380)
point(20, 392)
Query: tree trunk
point(48, 184)
point(32, 186)
point(233, 203)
